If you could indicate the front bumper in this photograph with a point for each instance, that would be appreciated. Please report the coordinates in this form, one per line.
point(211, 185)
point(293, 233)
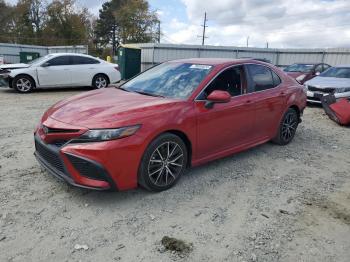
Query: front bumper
point(75, 170)
point(4, 81)
point(316, 97)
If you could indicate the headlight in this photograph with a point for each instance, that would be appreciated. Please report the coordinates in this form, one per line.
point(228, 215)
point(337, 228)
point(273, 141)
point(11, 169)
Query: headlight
point(342, 90)
point(99, 135)
point(306, 88)
point(300, 78)
point(4, 72)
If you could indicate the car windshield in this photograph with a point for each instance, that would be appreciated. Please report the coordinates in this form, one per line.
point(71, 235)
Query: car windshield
point(38, 60)
point(303, 68)
point(338, 72)
point(171, 80)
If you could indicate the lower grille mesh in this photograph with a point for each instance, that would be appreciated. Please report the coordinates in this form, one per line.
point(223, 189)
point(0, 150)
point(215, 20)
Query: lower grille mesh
point(323, 90)
point(87, 169)
point(50, 157)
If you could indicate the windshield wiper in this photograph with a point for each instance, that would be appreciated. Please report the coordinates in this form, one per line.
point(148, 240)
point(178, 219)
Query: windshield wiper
point(122, 88)
point(148, 94)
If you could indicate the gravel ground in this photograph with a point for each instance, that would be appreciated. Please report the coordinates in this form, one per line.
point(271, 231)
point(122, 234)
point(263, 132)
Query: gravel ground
point(269, 204)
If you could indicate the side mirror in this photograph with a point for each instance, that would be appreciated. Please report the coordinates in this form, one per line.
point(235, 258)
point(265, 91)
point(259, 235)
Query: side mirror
point(217, 96)
point(46, 64)
point(317, 73)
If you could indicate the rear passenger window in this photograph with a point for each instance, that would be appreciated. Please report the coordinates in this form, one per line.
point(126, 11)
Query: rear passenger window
point(80, 60)
point(276, 79)
point(261, 78)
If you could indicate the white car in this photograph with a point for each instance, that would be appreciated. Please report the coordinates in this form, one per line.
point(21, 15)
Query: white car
point(60, 70)
point(335, 80)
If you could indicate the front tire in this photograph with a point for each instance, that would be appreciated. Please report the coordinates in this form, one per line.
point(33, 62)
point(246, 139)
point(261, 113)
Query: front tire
point(23, 84)
point(287, 128)
point(163, 163)
point(100, 81)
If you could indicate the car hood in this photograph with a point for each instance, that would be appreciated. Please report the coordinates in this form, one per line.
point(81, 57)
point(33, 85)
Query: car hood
point(14, 66)
point(329, 82)
point(108, 108)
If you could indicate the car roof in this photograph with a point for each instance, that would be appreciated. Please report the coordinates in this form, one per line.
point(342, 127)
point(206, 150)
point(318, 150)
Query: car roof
point(216, 61)
point(307, 63)
point(345, 65)
point(70, 54)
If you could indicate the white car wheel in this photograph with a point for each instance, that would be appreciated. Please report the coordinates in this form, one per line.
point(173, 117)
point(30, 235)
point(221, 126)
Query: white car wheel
point(23, 84)
point(100, 81)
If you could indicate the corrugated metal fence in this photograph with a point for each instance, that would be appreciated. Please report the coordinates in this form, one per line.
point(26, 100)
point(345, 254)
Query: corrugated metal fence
point(10, 52)
point(156, 53)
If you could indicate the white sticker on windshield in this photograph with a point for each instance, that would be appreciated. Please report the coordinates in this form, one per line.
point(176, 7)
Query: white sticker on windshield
point(201, 67)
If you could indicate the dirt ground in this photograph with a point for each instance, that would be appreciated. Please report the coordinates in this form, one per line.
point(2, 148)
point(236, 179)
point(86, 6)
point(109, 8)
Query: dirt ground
point(269, 204)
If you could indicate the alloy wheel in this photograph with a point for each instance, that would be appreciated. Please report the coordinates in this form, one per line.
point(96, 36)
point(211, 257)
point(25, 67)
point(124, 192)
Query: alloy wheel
point(101, 82)
point(165, 164)
point(24, 85)
point(289, 126)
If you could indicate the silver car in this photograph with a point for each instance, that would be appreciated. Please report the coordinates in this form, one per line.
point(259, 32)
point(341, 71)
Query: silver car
point(335, 80)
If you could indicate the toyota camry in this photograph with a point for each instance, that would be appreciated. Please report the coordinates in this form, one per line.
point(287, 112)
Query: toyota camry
point(176, 115)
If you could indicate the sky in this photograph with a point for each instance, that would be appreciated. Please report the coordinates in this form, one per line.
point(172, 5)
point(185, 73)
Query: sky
point(280, 23)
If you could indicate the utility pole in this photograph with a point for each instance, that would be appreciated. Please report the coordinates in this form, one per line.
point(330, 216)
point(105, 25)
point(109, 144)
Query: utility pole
point(204, 28)
point(159, 33)
point(248, 41)
point(267, 44)
point(113, 41)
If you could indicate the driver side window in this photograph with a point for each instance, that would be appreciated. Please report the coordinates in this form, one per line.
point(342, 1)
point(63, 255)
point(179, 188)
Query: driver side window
point(230, 80)
point(60, 61)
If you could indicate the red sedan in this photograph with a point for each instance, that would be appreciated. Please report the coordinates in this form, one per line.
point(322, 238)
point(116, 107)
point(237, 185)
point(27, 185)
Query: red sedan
point(178, 114)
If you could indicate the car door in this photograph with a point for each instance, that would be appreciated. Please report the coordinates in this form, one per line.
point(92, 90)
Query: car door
point(228, 125)
point(83, 70)
point(269, 97)
point(55, 72)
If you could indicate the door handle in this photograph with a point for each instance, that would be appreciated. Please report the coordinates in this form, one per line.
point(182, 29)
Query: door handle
point(248, 101)
point(283, 94)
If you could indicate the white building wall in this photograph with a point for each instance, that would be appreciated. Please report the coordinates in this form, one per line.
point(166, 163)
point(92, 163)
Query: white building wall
point(156, 53)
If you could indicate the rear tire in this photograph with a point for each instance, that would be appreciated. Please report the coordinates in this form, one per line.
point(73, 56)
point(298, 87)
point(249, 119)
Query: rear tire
point(23, 84)
point(100, 81)
point(287, 128)
point(163, 163)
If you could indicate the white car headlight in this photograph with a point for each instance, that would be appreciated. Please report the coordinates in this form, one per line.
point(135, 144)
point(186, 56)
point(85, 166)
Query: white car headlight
point(99, 135)
point(306, 88)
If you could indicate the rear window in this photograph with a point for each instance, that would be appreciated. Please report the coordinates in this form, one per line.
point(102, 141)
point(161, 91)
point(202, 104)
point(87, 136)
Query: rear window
point(303, 68)
point(260, 78)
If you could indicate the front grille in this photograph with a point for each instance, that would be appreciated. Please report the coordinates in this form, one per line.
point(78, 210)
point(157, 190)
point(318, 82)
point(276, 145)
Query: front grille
point(322, 90)
point(50, 157)
point(316, 99)
point(50, 130)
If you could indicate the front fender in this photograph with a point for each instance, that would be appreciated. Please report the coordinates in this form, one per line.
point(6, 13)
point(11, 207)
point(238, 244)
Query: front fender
point(24, 71)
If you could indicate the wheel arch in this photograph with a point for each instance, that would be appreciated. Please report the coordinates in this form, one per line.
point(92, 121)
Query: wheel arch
point(27, 75)
point(184, 137)
point(297, 109)
point(104, 74)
